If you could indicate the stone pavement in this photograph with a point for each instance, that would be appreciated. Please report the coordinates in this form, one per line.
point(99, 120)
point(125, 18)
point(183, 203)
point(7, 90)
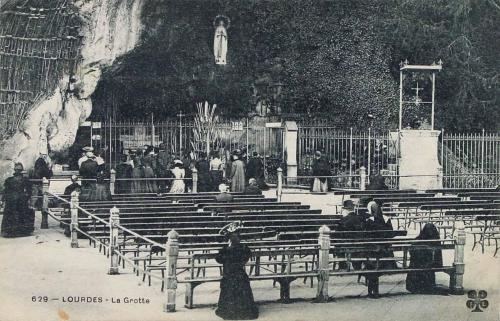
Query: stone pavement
point(45, 267)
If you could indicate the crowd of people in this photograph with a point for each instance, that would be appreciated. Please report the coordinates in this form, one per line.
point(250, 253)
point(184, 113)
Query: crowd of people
point(155, 170)
point(339, 170)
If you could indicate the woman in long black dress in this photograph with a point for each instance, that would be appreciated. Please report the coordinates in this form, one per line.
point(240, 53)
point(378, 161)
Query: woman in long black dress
point(236, 298)
point(377, 222)
point(18, 219)
point(423, 258)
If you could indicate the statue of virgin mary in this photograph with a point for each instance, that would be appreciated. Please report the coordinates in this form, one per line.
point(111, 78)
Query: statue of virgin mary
point(221, 24)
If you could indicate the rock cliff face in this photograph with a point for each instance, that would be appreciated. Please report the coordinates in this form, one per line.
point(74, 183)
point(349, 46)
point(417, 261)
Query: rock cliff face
point(109, 29)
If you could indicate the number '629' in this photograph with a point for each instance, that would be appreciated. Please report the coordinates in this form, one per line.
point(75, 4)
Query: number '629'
point(39, 298)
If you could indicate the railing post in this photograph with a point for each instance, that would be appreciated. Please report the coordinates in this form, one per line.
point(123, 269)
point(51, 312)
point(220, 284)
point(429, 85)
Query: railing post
point(279, 186)
point(362, 178)
point(439, 183)
point(323, 264)
point(482, 159)
point(45, 203)
point(74, 219)
point(457, 277)
point(369, 153)
point(195, 181)
point(114, 220)
point(112, 181)
point(172, 252)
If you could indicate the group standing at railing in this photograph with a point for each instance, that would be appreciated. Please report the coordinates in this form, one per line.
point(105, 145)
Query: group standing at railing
point(156, 171)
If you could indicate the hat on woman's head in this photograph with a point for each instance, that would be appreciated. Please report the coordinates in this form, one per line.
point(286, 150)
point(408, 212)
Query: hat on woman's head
point(371, 207)
point(18, 167)
point(348, 204)
point(178, 161)
point(230, 228)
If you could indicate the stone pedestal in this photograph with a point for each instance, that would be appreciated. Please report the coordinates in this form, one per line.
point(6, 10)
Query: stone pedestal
point(290, 147)
point(419, 166)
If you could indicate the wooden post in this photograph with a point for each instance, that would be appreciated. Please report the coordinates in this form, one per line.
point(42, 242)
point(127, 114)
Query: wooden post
point(114, 220)
point(45, 203)
point(457, 277)
point(74, 219)
point(362, 178)
point(172, 253)
point(323, 261)
point(279, 186)
point(195, 181)
point(112, 181)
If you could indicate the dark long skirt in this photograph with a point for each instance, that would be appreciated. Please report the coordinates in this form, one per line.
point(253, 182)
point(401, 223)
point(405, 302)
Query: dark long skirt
point(18, 219)
point(423, 281)
point(216, 179)
point(236, 300)
point(87, 193)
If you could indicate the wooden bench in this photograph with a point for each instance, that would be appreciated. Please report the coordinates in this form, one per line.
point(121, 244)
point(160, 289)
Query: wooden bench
point(459, 190)
point(411, 201)
point(459, 205)
point(490, 230)
point(255, 207)
point(342, 234)
point(286, 265)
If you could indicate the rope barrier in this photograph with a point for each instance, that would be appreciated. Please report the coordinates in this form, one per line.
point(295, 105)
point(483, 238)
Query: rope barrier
point(129, 261)
point(92, 238)
point(57, 219)
point(124, 229)
point(81, 209)
point(141, 237)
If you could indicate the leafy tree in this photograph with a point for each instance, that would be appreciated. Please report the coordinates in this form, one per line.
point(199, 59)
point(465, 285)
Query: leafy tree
point(328, 59)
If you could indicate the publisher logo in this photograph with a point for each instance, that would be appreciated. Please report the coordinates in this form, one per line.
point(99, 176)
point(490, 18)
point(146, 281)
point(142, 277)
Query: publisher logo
point(477, 300)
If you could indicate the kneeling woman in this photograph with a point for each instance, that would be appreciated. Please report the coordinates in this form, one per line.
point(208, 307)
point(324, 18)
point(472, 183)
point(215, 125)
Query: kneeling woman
point(236, 298)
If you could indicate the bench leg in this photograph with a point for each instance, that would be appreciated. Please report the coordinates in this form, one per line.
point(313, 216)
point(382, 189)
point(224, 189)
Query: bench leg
point(162, 280)
point(284, 290)
point(188, 299)
point(373, 286)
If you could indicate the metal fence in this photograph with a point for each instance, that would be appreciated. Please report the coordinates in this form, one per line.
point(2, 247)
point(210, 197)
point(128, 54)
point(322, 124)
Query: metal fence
point(347, 150)
point(117, 138)
point(470, 160)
